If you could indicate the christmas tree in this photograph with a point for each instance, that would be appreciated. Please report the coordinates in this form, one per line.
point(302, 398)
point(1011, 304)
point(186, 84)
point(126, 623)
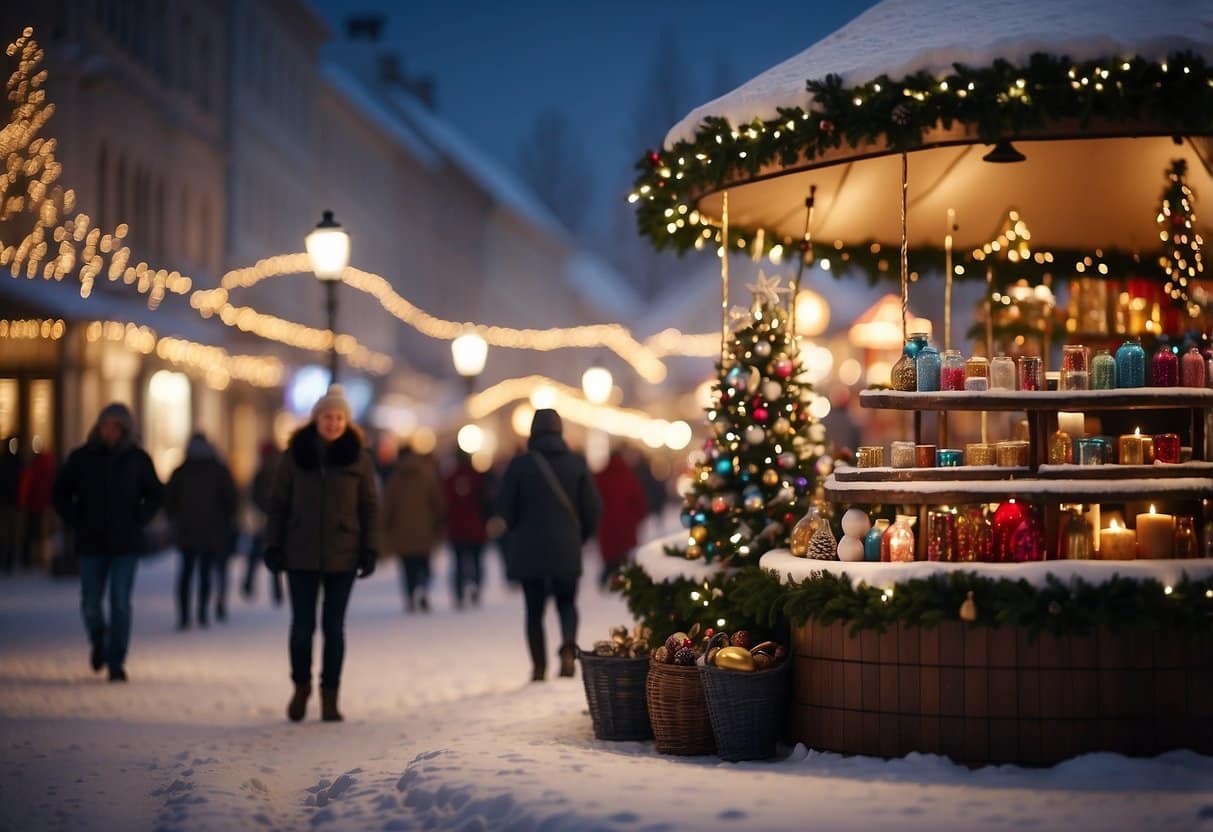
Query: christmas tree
point(1181, 260)
point(755, 476)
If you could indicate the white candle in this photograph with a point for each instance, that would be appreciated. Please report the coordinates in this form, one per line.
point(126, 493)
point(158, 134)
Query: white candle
point(1071, 423)
point(1155, 535)
point(1117, 543)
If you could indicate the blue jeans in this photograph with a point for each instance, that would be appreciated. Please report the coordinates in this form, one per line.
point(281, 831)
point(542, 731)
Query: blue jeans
point(119, 571)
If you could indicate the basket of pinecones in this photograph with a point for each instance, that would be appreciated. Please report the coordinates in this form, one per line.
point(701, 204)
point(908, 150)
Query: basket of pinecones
point(677, 708)
point(614, 673)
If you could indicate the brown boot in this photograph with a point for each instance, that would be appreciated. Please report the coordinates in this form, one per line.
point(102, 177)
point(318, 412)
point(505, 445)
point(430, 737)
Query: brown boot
point(568, 656)
point(328, 705)
point(297, 707)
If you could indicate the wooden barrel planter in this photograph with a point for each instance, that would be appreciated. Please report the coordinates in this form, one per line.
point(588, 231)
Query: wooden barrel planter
point(982, 695)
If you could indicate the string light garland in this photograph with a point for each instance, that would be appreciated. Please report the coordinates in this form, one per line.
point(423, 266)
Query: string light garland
point(995, 102)
point(33, 329)
point(217, 366)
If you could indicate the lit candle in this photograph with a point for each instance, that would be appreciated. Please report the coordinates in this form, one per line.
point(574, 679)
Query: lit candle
point(1132, 448)
point(1071, 423)
point(1116, 543)
point(1155, 535)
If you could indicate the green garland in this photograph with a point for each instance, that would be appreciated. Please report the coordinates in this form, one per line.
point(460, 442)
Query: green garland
point(1059, 607)
point(667, 607)
point(997, 101)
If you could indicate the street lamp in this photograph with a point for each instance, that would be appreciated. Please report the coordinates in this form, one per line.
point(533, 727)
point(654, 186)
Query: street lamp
point(328, 247)
point(597, 383)
point(470, 352)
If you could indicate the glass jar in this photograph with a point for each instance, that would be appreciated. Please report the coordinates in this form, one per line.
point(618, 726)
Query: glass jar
point(1002, 373)
point(1167, 449)
point(926, 366)
point(980, 453)
point(1031, 373)
point(1091, 450)
point(972, 535)
point(903, 454)
point(1185, 537)
point(1075, 372)
point(949, 458)
point(951, 370)
point(941, 535)
point(978, 366)
point(1192, 369)
point(1061, 448)
point(1103, 371)
point(1131, 364)
point(897, 545)
point(1077, 538)
point(1164, 369)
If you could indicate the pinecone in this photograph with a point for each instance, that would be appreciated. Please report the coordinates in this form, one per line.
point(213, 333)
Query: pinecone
point(661, 655)
point(822, 545)
point(685, 656)
point(900, 114)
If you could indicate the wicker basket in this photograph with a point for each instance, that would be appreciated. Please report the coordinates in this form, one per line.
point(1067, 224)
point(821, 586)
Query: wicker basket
point(614, 689)
point(747, 709)
point(678, 711)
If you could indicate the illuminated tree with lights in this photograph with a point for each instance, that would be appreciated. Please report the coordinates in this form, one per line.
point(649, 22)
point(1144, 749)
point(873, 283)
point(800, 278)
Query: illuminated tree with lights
point(1181, 260)
point(756, 474)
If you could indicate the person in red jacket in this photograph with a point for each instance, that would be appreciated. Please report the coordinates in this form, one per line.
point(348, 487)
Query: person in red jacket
point(34, 498)
point(624, 507)
point(466, 494)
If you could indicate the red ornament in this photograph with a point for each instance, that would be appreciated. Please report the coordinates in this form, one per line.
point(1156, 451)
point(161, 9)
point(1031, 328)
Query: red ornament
point(789, 519)
point(783, 367)
point(760, 414)
point(654, 157)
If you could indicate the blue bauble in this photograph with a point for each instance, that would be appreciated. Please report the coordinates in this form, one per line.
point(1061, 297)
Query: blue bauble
point(724, 466)
point(700, 518)
point(711, 547)
point(687, 519)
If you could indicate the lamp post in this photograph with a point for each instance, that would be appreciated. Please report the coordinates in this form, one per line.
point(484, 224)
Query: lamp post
point(470, 352)
point(328, 247)
point(597, 383)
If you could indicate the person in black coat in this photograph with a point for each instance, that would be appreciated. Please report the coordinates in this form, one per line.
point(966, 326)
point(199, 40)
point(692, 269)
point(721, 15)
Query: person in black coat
point(550, 507)
point(106, 493)
point(263, 484)
point(201, 505)
point(323, 529)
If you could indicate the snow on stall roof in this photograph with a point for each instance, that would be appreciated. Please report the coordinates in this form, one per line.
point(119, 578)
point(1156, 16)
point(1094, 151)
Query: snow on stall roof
point(1167, 572)
point(651, 557)
point(900, 37)
point(354, 92)
point(493, 176)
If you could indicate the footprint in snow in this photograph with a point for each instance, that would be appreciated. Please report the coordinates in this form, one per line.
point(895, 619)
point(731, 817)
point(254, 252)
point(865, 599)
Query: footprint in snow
point(732, 814)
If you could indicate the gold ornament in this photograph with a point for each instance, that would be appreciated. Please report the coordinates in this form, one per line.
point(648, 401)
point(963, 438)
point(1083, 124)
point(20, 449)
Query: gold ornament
point(770, 477)
point(694, 552)
point(968, 609)
point(735, 658)
point(699, 533)
point(782, 426)
point(803, 532)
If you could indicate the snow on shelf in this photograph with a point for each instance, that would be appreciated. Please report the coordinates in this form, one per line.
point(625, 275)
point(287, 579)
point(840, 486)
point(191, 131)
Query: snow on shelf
point(884, 575)
point(986, 490)
point(659, 566)
point(1140, 398)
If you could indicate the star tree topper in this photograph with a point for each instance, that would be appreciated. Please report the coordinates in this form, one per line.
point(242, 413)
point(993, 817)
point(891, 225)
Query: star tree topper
point(768, 289)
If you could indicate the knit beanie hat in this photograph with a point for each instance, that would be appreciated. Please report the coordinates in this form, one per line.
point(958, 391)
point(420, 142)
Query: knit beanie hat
point(334, 399)
point(119, 413)
point(546, 421)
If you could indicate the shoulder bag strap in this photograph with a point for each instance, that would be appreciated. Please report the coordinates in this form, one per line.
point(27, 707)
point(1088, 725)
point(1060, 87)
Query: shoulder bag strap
point(545, 468)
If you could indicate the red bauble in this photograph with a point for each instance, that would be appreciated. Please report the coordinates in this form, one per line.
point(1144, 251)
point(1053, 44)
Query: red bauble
point(760, 414)
point(783, 367)
point(654, 157)
point(789, 519)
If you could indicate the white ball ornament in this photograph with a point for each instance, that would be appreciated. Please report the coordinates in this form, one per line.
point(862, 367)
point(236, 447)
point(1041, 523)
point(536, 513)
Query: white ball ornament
point(762, 349)
point(850, 549)
point(754, 434)
point(856, 523)
point(772, 390)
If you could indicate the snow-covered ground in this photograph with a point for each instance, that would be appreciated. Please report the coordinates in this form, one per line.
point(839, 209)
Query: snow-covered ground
point(443, 732)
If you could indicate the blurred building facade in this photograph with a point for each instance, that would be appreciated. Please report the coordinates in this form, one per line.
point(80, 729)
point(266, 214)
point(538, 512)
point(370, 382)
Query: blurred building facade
point(219, 132)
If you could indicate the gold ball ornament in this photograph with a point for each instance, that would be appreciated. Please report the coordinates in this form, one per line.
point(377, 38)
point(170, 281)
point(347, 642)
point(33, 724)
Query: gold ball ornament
point(694, 552)
point(735, 658)
point(699, 533)
point(782, 427)
point(770, 477)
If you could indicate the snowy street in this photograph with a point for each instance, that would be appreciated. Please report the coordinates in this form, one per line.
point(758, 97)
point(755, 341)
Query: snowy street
point(443, 732)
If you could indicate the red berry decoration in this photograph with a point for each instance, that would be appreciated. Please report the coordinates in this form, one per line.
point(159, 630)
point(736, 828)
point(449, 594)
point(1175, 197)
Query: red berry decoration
point(685, 657)
point(741, 638)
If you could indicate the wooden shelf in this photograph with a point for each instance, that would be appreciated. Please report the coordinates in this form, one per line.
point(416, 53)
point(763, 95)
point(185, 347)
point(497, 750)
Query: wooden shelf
point(1143, 398)
point(1157, 471)
point(1055, 490)
point(846, 473)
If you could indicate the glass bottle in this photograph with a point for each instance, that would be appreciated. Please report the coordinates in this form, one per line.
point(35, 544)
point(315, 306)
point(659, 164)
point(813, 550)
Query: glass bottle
point(1192, 369)
point(1002, 373)
point(803, 531)
point(904, 375)
point(1185, 537)
point(1031, 373)
point(1131, 364)
point(1164, 369)
point(871, 541)
point(1103, 371)
point(1077, 537)
point(972, 535)
point(951, 370)
point(926, 366)
point(1061, 448)
point(897, 545)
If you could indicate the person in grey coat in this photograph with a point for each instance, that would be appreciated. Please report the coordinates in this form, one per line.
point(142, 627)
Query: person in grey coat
point(323, 529)
point(550, 507)
point(201, 505)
